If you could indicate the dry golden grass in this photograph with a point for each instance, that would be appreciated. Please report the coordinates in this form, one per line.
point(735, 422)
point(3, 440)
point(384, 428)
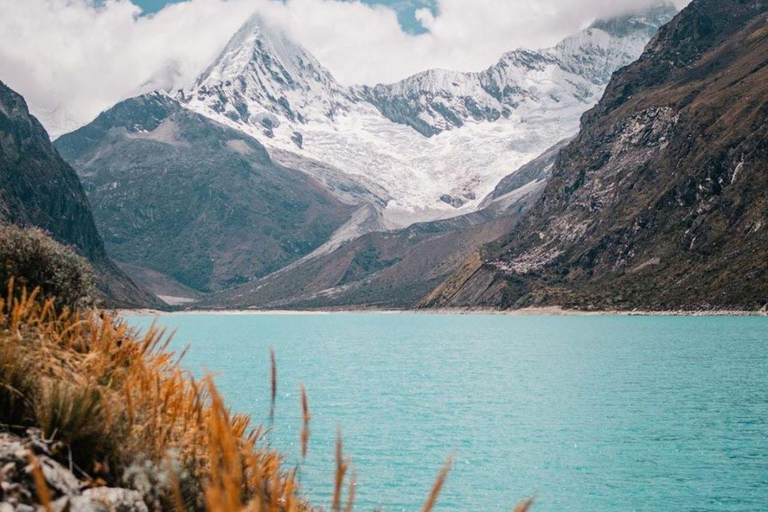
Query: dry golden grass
point(524, 505)
point(273, 384)
point(438, 485)
point(342, 465)
point(305, 418)
point(43, 493)
point(118, 400)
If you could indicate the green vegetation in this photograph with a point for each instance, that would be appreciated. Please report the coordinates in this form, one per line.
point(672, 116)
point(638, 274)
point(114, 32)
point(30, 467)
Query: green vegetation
point(37, 261)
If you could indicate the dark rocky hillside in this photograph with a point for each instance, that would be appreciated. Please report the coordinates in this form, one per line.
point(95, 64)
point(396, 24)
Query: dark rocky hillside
point(37, 188)
point(389, 270)
point(177, 193)
point(661, 202)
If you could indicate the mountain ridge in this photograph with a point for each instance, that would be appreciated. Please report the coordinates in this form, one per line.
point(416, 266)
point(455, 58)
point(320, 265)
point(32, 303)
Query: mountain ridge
point(177, 193)
point(660, 201)
point(271, 88)
point(420, 101)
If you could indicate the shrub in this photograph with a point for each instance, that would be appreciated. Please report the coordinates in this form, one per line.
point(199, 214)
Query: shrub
point(33, 260)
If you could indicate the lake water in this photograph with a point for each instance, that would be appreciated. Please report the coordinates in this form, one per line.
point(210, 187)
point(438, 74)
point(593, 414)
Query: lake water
point(597, 414)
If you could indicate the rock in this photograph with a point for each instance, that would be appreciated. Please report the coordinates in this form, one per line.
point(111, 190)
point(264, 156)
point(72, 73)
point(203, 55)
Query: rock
point(117, 499)
point(77, 504)
point(59, 479)
point(663, 177)
point(18, 492)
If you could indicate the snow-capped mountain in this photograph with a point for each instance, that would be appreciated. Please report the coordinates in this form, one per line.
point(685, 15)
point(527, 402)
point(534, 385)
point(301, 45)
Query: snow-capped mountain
point(432, 146)
point(574, 72)
point(260, 67)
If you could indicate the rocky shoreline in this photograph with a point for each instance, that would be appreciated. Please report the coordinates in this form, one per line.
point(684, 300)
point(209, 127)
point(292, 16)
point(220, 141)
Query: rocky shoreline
point(537, 311)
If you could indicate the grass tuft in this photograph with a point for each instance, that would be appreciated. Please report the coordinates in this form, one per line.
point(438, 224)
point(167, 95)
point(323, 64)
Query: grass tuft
point(305, 418)
point(121, 402)
point(438, 485)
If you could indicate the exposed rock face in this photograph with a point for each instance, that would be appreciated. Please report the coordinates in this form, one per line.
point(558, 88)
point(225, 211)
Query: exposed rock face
point(37, 188)
point(660, 202)
point(18, 492)
point(177, 193)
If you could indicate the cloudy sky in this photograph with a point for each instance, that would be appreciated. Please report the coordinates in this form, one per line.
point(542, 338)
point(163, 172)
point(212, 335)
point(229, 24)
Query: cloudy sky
point(72, 59)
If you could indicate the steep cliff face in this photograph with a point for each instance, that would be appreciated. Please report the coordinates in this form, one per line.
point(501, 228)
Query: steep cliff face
point(177, 193)
point(37, 188)
point(661, 201)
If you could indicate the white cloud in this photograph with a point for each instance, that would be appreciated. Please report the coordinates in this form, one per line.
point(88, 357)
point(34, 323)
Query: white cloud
point(73, 58)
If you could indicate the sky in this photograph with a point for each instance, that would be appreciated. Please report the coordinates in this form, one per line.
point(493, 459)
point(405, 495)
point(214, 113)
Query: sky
point(72, 59)
point(405, 9)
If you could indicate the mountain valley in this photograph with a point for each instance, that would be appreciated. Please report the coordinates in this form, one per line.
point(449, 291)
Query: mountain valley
point(267, 184)
point(266, 163)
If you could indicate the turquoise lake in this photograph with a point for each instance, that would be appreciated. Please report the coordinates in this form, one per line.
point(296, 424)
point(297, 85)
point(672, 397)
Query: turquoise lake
point(598, 414)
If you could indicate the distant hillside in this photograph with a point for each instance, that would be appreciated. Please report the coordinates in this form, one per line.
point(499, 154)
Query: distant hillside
point(37, 188)
point(389, 270)
point(661, 202)
point(180, 194)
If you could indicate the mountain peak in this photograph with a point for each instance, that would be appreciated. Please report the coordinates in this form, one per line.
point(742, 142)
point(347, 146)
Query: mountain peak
point(255, 42)
point(262, 76)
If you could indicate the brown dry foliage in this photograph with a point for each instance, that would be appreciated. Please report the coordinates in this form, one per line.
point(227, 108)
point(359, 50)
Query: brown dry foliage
point(305, 418)
point(438, 485)
point(118, 400)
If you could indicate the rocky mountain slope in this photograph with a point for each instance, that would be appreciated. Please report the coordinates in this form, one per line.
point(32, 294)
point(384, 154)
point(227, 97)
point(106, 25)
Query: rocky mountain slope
point(661, 202)
point(37, 188)
point(389, 270)
point(177, 193)
point(274, 90)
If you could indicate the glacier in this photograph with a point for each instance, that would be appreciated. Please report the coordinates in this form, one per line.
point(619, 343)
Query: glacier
point(429, 147)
